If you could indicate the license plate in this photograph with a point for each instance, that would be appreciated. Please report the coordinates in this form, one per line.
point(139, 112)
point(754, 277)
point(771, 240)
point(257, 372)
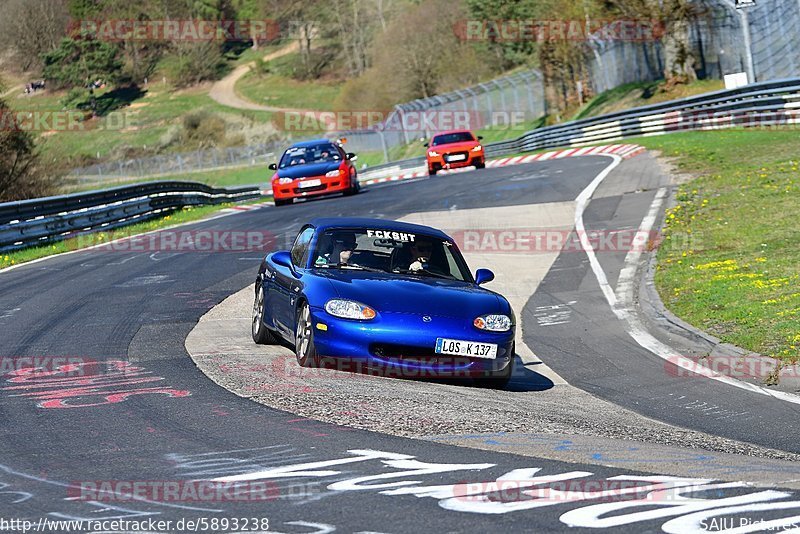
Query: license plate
point(456, 157)
point(471, 349)
point(309, 183)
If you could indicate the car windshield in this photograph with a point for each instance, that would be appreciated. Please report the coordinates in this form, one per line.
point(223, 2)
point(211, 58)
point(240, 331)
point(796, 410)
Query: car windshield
point(455, 137)
point(302, 155)
point(390, 251)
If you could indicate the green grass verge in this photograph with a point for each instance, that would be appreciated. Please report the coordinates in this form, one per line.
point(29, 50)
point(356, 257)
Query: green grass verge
point(638, 94)
point(397, 153)
point(729, 260)
point(187, 214)
point(251, 54)
point(139, 127)
point(257, 175)
point(277, 88)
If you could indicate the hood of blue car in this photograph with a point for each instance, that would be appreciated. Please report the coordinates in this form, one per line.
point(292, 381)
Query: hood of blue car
point(418, 295)
point(312, 169)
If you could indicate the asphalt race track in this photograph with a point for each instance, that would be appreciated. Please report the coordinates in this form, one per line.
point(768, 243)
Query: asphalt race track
point(138, 409)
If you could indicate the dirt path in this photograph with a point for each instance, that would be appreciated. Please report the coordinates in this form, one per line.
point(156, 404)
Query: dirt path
point(11, 90)
point(224, 91)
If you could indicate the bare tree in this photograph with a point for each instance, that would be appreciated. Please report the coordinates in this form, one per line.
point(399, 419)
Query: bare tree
point(382, 6)
point(430, 53)
point(32, 27)
point(21, 172)
point(353, 24)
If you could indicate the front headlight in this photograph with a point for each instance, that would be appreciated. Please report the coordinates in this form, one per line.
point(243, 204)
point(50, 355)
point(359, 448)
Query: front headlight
point(349, 309)
point(433, 154)
point(477, 148)
point(333, 174)
point(493, 323)
point(284, 181)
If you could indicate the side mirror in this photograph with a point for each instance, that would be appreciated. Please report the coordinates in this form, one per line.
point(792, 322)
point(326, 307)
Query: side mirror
point(351, 156)
point(273, 166)
point(480, 137)
point(426, 145)
point(483, 275)
point(282, 258)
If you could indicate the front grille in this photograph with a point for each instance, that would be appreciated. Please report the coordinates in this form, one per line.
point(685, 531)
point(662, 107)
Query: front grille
point(448, 157)
point(390, 350)
point(301, 190)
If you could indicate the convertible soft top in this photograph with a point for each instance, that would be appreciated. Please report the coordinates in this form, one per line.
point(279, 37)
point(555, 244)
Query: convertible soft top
point(359, 222)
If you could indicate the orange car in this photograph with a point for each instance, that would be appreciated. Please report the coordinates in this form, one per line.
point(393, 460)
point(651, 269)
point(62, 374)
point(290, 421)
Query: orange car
point(454, 149)
point(312, 168)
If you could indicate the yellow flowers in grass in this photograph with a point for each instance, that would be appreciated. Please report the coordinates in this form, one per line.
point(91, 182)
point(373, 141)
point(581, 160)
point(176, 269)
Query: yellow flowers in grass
point(774, 283)
point(736, 276)
point(724, 265)
point(781, 299)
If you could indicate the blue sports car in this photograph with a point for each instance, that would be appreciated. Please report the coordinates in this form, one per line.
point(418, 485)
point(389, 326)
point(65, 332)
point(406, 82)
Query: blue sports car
point(384, 297)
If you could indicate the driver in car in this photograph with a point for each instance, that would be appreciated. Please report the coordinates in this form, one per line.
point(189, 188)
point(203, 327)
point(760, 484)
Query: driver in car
point(421, 250)
point(341, 249)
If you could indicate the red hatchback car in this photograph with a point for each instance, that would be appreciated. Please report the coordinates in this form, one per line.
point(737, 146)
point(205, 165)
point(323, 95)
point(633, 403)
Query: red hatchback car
point(454, 149)
point(313, 168)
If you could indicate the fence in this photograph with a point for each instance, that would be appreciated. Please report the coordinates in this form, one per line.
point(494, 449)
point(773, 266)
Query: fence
point(719, 38)
point(184, 163)
point(764, 104)
point(773, 103)
point(487, 104)
point(43, 220)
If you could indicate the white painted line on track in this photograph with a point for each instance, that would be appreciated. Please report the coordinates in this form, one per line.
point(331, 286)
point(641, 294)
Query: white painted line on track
point(622, 303)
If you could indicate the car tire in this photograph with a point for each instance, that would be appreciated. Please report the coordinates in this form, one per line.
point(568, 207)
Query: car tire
point(304, 348)
point(481, 165)
point(282, 202)
point(431, 171)
point(261, 334)
point(500, 380)
point(355, 187)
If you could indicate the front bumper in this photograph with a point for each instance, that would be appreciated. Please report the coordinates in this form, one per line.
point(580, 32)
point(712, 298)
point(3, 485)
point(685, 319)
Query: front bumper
point(402, 345)
point(336, 184)
point(441, 161)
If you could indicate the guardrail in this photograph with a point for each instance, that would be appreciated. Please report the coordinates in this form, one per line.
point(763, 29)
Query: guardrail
point(38, 221)
point(770, 103)
point(44, 220)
